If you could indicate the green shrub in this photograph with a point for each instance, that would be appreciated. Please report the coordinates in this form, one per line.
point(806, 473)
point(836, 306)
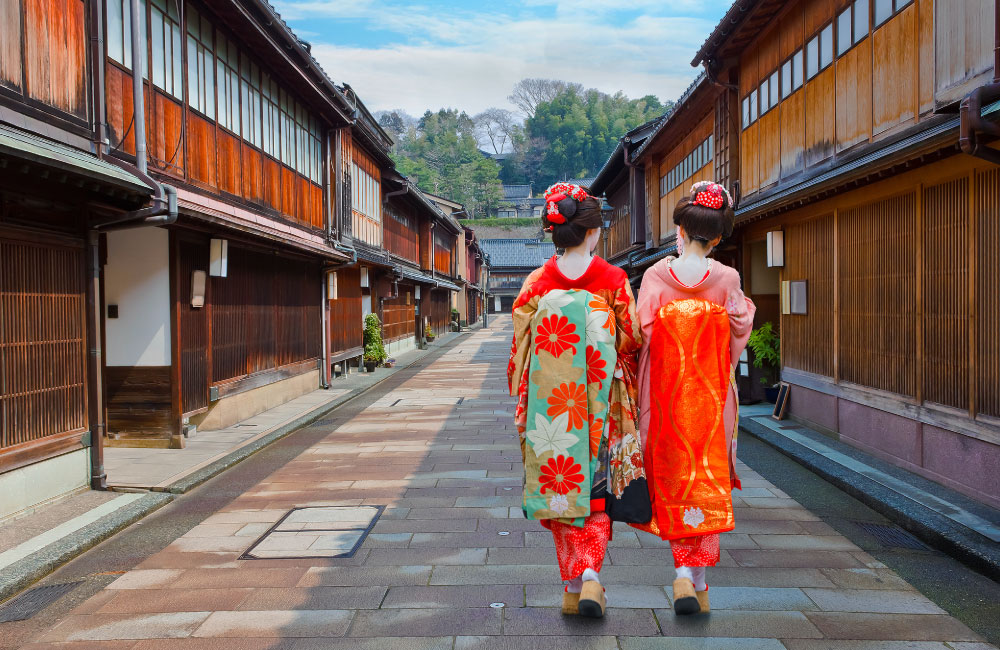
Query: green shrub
point(766, 346)
point(374, 350)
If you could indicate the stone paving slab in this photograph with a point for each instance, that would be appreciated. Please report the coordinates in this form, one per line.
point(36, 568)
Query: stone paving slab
point(452, 564)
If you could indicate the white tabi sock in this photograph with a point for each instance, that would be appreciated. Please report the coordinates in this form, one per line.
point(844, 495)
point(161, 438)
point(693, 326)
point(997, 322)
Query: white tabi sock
point(590, 574)
point(699, 578)
point(575, 586)
point(685, 572)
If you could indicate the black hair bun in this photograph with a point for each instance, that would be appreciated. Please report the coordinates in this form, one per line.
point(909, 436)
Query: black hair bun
point(567, 207)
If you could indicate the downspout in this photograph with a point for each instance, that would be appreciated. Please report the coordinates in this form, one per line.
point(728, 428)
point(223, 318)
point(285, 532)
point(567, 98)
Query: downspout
point(971, 123)
point(97, 64)
point(162, 212)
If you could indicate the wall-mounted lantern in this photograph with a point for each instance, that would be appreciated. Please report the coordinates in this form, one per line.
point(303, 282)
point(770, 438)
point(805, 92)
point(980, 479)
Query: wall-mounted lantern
point(775, 248)
point(364, 278)
point(331, 285)
point(416, 292)
point(198, 281)
point(218, 266)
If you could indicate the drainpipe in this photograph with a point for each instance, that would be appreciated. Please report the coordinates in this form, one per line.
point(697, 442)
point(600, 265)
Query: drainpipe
point(972, 123)
point(97, 85)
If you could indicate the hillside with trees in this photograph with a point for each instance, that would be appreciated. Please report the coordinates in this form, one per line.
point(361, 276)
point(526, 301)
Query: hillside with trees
point(562, 131)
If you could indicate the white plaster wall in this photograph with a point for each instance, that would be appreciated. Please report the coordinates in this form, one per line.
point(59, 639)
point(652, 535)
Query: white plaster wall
point(35, 484)
point(137, 279)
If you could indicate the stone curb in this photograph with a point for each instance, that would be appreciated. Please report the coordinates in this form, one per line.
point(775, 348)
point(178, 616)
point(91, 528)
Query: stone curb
point(192, 481)
point(36, 566)
point(938, 531)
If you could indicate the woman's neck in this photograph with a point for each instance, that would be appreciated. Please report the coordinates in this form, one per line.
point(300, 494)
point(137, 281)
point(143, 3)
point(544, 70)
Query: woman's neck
point(575, 261)
point(690, 268)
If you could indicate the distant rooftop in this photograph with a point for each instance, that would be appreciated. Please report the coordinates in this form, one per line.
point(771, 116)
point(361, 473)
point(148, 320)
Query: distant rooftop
point(517, 253)
point(513, 192)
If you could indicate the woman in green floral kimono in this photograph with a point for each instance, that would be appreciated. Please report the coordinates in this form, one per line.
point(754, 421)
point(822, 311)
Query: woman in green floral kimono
point(572, 368)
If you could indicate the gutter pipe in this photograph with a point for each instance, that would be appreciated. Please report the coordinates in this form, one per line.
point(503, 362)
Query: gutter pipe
point(971, 122)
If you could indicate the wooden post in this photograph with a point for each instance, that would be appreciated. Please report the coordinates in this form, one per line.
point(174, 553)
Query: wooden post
point(919, 277)
point(973, 311)
point(95, 387)
point(836, 296)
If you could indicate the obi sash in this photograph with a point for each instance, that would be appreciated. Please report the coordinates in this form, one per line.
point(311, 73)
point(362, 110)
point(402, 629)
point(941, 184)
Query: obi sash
point(687, 460)
point(571, 361)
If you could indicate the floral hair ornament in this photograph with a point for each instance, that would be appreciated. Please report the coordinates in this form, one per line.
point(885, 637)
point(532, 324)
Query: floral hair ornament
point(710, 195)
point(560, 192)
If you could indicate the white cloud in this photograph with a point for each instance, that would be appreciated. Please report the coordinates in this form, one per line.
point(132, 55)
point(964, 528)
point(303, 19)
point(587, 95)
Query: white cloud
point(471, 60)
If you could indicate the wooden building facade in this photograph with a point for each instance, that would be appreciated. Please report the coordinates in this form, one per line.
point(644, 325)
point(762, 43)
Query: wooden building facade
point(144, 296)
point(841, 125)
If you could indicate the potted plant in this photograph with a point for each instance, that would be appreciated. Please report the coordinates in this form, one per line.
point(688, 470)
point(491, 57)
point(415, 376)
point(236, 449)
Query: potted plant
point(765, 343)
point(429, 333)
point(455, 326)
point(374, 350)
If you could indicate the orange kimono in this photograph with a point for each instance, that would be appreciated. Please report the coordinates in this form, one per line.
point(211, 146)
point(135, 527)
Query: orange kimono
point(688, 401)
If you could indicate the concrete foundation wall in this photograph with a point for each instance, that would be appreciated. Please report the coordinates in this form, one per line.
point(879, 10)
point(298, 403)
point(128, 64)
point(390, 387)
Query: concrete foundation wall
point(229, 410)
point(957, 460)
point(27, 487)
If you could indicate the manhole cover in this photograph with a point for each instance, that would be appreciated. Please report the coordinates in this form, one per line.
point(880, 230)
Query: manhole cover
point(891, 536)
point(316, 532)
point(33, 601)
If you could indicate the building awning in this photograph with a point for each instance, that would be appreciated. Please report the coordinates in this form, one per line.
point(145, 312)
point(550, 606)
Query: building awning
point(444, 284)
point(655, 256)
point(28, 147)
point(416, 276)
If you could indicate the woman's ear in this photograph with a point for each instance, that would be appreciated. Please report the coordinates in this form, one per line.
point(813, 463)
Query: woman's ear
point(715, 242)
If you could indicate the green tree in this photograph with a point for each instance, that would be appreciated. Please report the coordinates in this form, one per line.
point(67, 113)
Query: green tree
point(580, 128)
point(440, 154)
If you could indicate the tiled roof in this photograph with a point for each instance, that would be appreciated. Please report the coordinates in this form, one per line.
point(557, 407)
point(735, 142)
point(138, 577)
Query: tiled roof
point(517, 253)
point(516, 192)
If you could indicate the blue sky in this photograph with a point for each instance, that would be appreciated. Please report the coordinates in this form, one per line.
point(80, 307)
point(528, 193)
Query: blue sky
point(429, 54)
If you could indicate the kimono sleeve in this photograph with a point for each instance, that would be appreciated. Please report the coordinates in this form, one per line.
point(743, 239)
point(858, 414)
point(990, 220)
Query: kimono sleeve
point(523, 312)
point(629, 333)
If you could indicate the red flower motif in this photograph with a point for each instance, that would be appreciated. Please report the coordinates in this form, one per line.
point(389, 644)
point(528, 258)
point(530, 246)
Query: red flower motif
point(595, 367)
point(556, 335)
point(598, 304)
point(561, 475)
point(596, 433)
point(636, 460)
point(569, 398)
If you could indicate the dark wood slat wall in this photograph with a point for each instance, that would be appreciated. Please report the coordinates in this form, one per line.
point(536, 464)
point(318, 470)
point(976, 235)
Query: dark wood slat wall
point(440, 310)
point(195, 344)
point(398, 315)
point(810, 257)
point(987, 303)
point(265, 314)
point(945, 300)
point(619, 236)
point(400, 233)
point(346, 330)
point(42, 342)
point(878, 294)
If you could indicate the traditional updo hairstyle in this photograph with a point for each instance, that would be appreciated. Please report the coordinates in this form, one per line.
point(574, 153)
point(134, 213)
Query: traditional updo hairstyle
point(578, 216)
point(706, 213)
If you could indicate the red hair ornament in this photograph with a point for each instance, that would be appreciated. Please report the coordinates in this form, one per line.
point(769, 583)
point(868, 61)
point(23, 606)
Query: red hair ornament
point(710, 195)
point(560, 192)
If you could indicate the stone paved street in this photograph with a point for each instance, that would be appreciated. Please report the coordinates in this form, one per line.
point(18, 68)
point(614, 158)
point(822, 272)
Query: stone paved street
point(439, 451)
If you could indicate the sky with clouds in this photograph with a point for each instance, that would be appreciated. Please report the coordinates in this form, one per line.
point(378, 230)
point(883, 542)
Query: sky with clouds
point(466, 54)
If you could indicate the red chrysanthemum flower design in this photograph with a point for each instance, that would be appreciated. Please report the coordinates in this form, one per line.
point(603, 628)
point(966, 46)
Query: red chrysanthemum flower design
point(561, 475)
point(556, 335)
point(636, 460)
point(569, 398)
point(595, 367)
point(596, 432)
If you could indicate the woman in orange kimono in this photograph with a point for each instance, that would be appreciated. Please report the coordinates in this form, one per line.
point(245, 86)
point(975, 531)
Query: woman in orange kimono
point(572, 368)
point(695, 324)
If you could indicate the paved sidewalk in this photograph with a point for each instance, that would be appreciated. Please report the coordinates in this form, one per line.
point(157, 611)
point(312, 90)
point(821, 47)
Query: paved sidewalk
point(452, 564)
